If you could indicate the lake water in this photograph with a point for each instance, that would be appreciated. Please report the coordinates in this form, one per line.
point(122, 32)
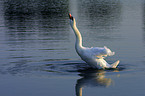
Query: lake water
point(37, 54)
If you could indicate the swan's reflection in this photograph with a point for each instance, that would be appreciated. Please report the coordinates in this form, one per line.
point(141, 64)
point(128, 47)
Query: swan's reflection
point(92, 79)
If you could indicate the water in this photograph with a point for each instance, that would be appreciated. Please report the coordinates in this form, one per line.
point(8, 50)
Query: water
point(37, 47)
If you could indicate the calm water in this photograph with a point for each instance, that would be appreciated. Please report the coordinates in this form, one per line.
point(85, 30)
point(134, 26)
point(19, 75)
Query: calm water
point(37, 55)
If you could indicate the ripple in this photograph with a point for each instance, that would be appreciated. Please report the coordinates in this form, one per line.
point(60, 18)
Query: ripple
point(75, 67)
point(59, 67)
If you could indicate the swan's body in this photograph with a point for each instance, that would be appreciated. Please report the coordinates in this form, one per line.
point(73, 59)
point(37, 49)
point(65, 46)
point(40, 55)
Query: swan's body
point(93, 56)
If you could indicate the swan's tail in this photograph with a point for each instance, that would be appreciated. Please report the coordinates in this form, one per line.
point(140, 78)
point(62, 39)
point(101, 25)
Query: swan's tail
point(114, 65)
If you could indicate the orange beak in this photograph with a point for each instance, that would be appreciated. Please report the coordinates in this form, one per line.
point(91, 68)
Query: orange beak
point(70, 16)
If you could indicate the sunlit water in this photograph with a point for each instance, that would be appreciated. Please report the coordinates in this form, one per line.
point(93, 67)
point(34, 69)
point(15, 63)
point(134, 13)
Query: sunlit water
point(37, 55)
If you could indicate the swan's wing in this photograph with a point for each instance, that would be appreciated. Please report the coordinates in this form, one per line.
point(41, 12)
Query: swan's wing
point(99, 52)
point(102, 63)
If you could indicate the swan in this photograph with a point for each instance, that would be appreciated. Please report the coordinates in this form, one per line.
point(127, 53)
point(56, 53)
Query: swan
point(93, 56)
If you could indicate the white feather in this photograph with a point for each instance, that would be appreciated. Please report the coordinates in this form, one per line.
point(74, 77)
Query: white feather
point(94, 56)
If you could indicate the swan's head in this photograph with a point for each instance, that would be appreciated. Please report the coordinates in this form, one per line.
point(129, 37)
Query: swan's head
point(72, 19)
point(108, 51)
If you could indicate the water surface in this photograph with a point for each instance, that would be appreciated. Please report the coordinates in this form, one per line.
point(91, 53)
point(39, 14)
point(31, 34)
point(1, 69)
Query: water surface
point(37, 47)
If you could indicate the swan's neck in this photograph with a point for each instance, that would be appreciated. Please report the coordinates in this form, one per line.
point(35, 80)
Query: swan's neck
point(78, 44)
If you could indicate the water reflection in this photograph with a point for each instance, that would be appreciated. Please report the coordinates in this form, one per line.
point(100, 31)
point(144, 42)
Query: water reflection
point(34, 27)
point(143, 8)
point(98, 19)
point(25, 18)
point(101, 12)
point(92, 78)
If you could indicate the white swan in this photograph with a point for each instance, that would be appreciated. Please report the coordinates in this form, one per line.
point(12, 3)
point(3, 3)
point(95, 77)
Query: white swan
point(93, 56)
